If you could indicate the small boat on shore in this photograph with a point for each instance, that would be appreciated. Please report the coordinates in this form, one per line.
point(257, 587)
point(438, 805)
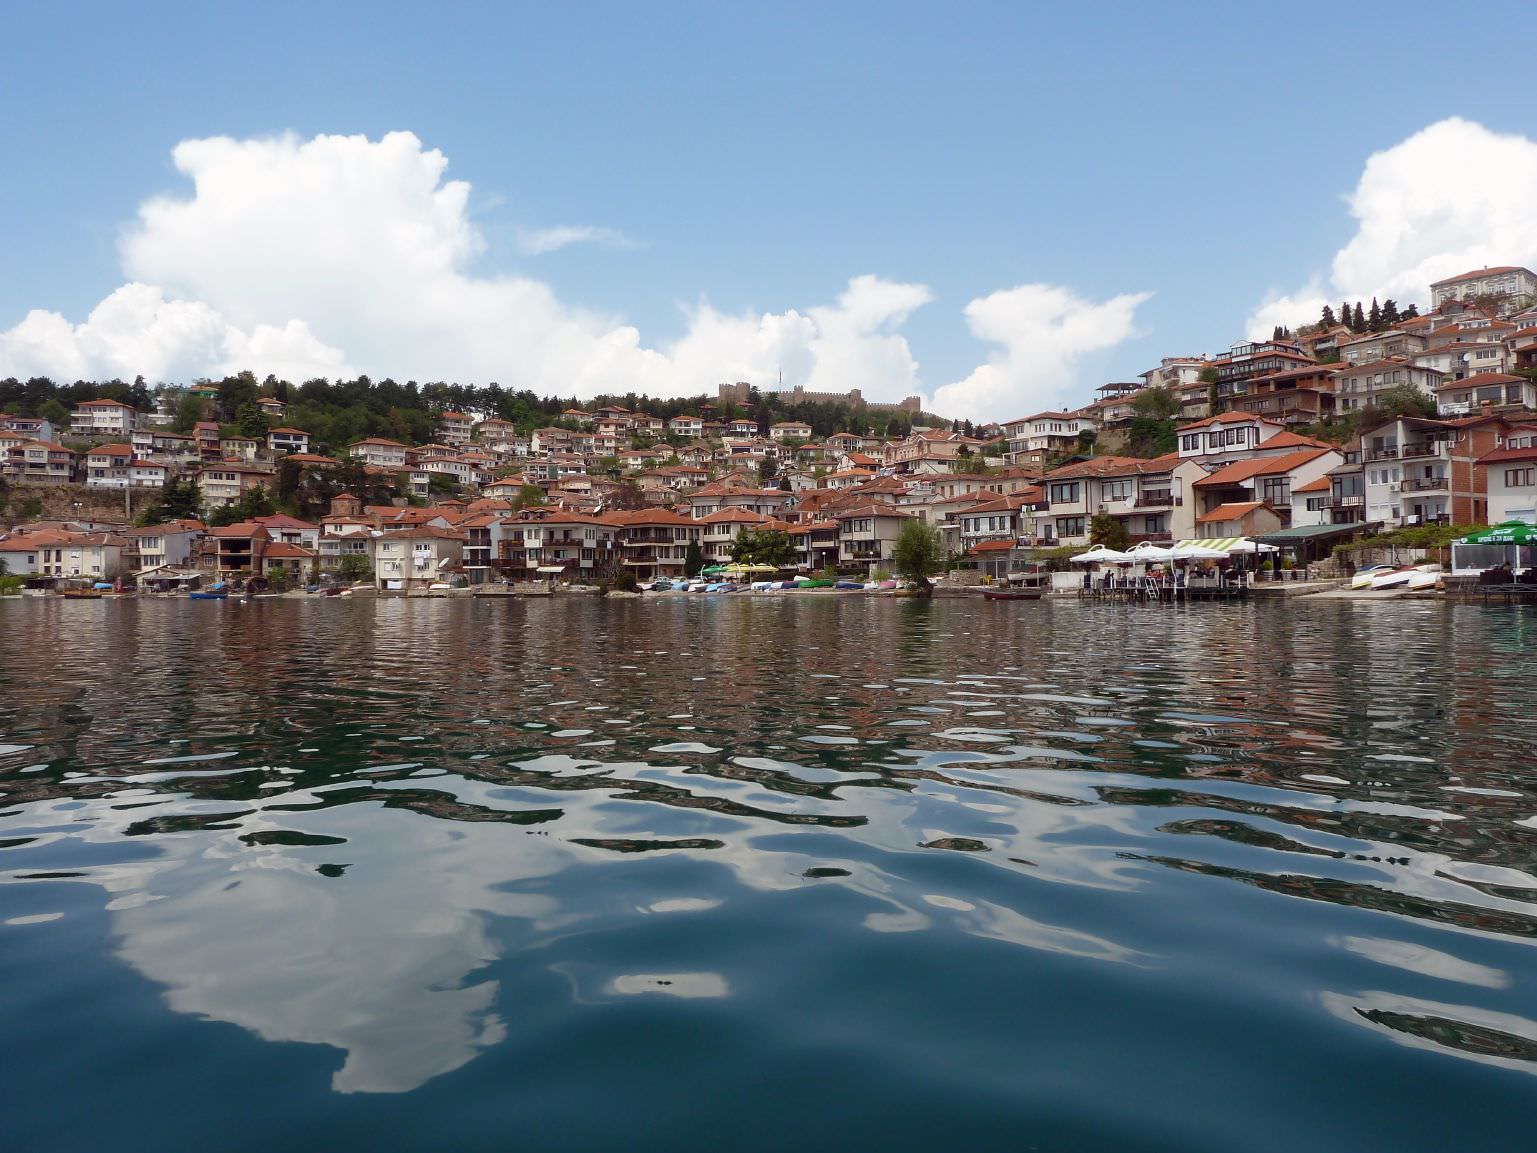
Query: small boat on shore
point(216, 592)
point(1019, 594)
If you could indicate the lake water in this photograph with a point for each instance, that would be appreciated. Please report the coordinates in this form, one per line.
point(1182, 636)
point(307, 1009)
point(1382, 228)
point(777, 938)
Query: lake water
point(767, 874)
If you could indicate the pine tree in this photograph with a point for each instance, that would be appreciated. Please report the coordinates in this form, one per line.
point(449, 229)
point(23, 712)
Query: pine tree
point(1374, 317)
point(1390, 314)
point(1278, 333)
point(1359, 323)
point(1345, 315)
point(1410, 313)
point(1327, 319)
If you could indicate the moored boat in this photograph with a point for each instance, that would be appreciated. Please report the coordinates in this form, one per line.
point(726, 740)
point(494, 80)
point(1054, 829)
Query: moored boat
point(1022, 594)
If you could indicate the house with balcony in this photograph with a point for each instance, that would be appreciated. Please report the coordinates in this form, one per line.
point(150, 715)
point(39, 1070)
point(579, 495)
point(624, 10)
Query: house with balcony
point(177, 450)
point(653, 543)
point(174, 543)
point(103, 419)
point(867, 533)
point(1483, 392)
point(1510, 480)
point(380, 452)
point(39, 462)
point(222, 483)
point(294, 564)
point(1295, 396)
point(1509, 288)
point(236, 550)
point(106, 466)
point(283, 441)
point(1390, 344)
point(1359, 386)
point(1029, 440)
point(65, 554)
point(27, 427)
point(1265, 481)
point(685, 425)
point(206, 435)
point(790, 430)
point(455, 428)
point(1420, 471)
point(415, 557)
point(1310, 502)
point(552, 542)
point(816, 544)
point(271, 407)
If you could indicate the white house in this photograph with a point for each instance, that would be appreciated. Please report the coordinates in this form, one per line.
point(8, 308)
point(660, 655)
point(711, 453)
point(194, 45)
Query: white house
point(415, 557)
point(380, 452)
point(172, 543)
point(287, 440)
point(1511, 479)
point(102, 418)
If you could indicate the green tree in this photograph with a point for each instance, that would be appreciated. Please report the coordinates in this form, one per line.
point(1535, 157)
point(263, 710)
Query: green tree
point(1106, 530)
point(919, 554)
point(253, 502)
point(190, 408)
point(55, 414)
point(1345, 315)
point(1405, 400)
point(250, 422)
point(1327, 319)
point(763, 546)
point(354, 567)
point(1374, 317)
point(1358, 324)
point(693, 559)
point(529, 496)
point(1390, 314)
point(178, 500)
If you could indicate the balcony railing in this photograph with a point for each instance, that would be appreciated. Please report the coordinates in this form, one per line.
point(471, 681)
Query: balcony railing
point(1358, 501)
point(1427, 484)
point(1159, 500)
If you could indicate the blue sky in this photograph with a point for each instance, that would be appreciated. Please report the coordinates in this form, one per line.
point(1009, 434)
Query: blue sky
point(758, 158)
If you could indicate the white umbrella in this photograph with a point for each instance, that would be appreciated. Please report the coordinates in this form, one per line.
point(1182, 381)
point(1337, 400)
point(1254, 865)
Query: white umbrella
point(1150, 552)
point(1099, 554)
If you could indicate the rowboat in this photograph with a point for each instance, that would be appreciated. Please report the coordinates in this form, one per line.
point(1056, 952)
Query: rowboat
point(1027, 594)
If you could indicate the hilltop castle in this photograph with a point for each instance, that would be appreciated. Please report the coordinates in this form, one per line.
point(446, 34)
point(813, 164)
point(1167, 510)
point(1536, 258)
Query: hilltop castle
point(738, 394)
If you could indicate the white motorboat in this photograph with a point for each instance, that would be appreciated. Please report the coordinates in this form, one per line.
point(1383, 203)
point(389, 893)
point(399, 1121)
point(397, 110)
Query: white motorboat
point(1364, 576)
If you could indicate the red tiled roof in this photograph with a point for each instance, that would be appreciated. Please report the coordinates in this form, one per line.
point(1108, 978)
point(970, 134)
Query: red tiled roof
point(1479, 274)
point(1221, 418)
point(1241, 470)
point(1229, 512)
point(1319, 485)
point(1289, 439)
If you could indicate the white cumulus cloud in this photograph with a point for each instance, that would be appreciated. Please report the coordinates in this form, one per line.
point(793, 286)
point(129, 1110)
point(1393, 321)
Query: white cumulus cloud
point(538, 241)
point(1453, 197)
point(339, 254)
point(1043, 332)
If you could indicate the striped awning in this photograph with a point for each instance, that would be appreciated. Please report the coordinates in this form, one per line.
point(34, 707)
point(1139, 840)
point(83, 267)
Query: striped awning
point(1228, 544)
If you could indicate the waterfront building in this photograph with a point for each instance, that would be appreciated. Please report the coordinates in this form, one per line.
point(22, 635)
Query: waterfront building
point(1419, 470)
point(415, 557)
point(867, 533)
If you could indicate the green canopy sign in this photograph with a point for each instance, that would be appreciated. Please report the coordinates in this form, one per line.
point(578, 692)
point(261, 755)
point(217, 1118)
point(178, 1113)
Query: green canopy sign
point(1511, 532)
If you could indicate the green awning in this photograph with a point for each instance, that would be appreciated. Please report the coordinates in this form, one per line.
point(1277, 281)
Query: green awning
point(1511, 532)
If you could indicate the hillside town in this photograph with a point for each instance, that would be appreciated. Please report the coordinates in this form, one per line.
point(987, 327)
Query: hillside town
point(1308, 439)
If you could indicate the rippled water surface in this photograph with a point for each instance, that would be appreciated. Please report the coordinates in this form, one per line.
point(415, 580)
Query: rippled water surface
point(768, 873)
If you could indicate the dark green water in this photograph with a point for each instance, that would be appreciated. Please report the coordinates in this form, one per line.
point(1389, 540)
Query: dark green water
point(767, 874)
